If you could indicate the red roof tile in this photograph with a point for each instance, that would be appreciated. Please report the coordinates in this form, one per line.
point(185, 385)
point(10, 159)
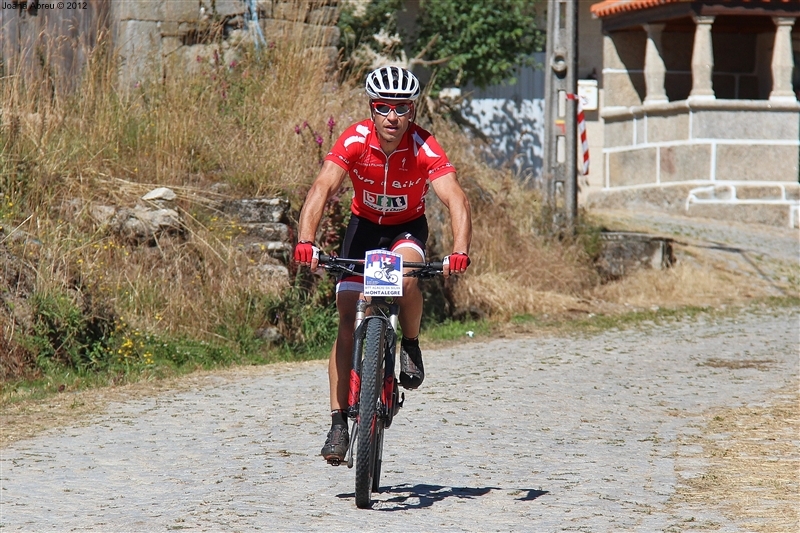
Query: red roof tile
point(614, 7)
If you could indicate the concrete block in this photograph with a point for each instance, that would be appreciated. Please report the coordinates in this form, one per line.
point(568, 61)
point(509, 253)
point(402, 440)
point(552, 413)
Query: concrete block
point(257, 210)
point(197, 58)
point(325, 15)
point(622, 89)
point(170, 45)
point(269, 231)
point(792, 192)
point(624, 50)
point(664, 128)
point(265, 8)
point(139, 50)
point(757, 162)
point(622, 253)
point(181, 11)
point(176, 29)
point(310, 35)
point(230, 8)
point(755, 192)
point(145, 10)
point(745, 124)
point(294, 11)
point(684, 163)
point(632, 167)
point(669, 198)
point(618, 133)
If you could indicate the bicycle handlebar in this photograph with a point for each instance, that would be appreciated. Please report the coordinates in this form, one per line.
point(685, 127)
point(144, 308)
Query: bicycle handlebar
point(339, 264)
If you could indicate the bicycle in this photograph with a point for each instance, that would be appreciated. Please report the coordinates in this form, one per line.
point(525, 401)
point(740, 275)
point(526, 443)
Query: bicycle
point(374, 397)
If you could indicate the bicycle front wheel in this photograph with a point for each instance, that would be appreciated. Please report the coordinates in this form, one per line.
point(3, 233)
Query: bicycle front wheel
point(370, 426)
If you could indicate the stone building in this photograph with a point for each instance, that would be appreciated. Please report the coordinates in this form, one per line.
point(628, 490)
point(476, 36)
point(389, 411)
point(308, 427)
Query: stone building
point(700, 107)
point(151, 37)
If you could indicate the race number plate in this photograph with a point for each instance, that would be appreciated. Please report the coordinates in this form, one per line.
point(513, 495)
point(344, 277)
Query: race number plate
point(383, 273)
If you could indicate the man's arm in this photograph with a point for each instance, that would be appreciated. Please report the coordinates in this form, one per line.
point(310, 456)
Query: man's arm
point(452, 195)
point(326, 184)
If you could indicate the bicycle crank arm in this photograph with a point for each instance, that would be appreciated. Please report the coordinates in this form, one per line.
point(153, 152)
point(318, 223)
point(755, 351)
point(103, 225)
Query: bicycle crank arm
point(353, 437)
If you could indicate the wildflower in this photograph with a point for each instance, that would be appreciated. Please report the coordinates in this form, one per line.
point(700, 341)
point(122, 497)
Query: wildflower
point(331, 124)
point(318, 138)
point(297, 129)
point(233, 64)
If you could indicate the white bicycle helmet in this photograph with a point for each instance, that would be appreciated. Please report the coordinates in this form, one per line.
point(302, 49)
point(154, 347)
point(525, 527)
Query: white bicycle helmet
point(392, 83)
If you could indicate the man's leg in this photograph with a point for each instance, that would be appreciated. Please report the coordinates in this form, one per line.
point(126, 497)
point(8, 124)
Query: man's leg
point(411, 369)
point(339, 365)
point(411, 302)
point(341, 360)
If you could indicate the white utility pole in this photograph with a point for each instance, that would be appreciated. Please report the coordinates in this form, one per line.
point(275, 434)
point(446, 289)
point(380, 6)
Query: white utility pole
point(560, 131)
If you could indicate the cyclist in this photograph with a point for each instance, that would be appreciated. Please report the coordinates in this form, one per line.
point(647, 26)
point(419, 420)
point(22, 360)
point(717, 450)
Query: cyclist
point(391, 162)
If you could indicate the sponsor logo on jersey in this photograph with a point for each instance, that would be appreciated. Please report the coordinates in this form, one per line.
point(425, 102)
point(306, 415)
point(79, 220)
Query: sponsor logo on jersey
point(385, 202)
point(404, 184)
point(362, 178)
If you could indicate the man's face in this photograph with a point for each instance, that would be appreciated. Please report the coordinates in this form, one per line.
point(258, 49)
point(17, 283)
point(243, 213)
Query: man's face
point(392, 118)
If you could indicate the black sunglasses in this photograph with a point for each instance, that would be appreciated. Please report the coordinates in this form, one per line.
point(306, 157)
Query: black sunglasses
point(384, 109)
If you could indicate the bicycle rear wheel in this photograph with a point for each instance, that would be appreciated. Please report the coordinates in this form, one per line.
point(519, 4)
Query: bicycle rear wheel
point(370, 426)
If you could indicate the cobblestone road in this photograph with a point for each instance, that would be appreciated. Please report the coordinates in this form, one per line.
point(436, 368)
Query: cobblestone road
point(538, 434)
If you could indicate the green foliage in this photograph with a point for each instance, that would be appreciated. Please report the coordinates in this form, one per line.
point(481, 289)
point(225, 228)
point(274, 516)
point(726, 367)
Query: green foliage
point(65, 334)
point(457, 330)
point(481, 42)
point(305, 315)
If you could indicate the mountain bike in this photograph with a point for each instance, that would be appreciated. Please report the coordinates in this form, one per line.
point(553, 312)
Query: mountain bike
point(374, 396)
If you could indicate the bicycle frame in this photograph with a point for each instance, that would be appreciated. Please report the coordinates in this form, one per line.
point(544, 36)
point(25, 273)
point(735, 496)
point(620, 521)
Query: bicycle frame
point(376, 348)
point(386, 310)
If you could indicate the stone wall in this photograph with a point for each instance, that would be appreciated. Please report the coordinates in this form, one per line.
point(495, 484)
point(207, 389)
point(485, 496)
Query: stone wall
point(725, 157)
point(154, 37)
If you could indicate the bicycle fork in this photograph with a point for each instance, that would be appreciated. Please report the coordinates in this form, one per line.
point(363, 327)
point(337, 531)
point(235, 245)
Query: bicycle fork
point(391, 399)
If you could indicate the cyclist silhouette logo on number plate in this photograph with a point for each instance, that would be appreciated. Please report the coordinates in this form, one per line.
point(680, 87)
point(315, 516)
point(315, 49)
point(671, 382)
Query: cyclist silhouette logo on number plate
point(383, 273)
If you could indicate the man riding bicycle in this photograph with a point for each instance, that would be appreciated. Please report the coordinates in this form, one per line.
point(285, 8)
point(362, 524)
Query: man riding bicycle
point(391, 162)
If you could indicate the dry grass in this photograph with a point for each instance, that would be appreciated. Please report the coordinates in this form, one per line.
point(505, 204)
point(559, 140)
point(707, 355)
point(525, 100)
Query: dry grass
point(682, 285)
point(753, 466)
point(233, 123)
point(228, 131)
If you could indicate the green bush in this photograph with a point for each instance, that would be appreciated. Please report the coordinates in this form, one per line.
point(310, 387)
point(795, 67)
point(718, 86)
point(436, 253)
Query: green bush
point(480, 42)
point(65, 334)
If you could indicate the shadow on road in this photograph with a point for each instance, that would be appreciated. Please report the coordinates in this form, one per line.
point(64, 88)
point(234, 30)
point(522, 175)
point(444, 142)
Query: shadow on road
point(403, 497)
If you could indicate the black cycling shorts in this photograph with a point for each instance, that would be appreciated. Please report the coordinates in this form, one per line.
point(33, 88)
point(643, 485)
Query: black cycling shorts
point(363, 235)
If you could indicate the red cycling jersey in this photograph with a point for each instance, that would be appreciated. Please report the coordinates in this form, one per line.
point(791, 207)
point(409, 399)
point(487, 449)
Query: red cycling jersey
point(391, 189)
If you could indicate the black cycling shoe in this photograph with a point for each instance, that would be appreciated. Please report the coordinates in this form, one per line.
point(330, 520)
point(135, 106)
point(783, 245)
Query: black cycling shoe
point(412, 372)
point(336, 444)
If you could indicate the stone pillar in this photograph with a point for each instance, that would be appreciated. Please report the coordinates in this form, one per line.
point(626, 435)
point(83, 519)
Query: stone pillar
point(782, 60)
point(654, 68)
point(702, 59)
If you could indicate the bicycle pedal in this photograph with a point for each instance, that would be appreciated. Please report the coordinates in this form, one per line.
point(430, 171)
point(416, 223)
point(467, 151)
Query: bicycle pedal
point(334, 462)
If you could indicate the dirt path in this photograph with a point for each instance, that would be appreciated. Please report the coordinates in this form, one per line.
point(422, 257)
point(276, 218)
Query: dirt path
point(621, 431)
